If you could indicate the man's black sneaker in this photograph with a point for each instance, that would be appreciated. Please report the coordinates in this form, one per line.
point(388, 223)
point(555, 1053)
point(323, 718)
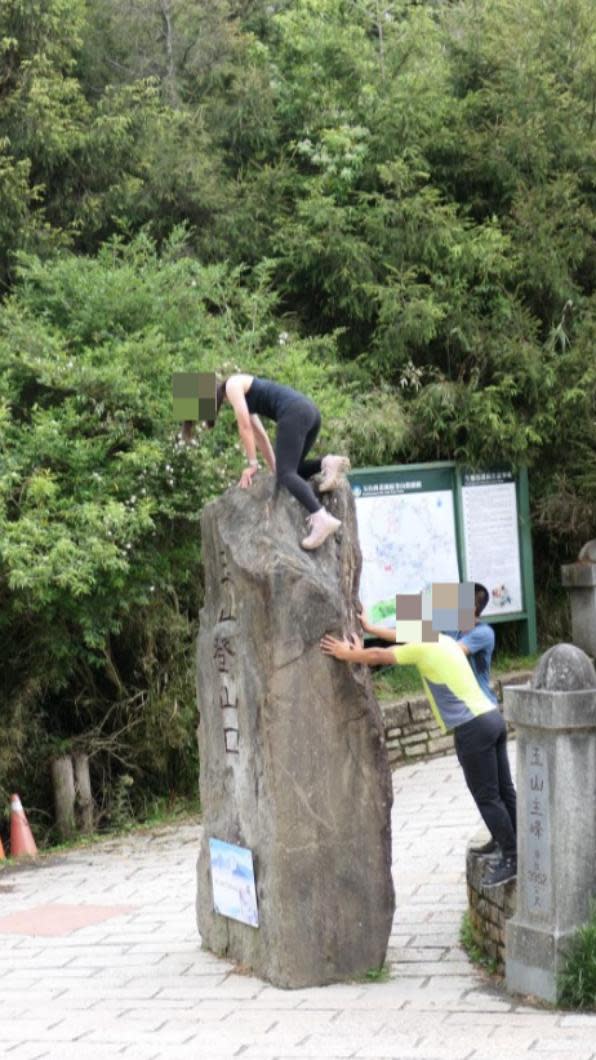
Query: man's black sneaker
point(501, 872)
point(492, 847)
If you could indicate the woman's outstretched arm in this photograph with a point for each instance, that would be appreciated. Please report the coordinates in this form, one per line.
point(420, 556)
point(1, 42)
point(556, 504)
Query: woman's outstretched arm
point(237, 399)
point(262, 442)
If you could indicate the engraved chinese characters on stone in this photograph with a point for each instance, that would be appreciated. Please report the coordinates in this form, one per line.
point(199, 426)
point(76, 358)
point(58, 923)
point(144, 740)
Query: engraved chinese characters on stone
point(224, 657)
point(228, 703)
point(537, 838)
point(223, 652)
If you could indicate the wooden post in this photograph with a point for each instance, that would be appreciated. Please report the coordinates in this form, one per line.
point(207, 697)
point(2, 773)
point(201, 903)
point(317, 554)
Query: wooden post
point(84, 798)
point(64, 795)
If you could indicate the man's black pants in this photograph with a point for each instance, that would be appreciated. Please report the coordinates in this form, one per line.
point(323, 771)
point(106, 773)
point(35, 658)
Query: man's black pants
point(481, 747)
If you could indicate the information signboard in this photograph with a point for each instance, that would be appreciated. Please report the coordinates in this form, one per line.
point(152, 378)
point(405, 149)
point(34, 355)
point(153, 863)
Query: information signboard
point(491, 538)
point(425, 523)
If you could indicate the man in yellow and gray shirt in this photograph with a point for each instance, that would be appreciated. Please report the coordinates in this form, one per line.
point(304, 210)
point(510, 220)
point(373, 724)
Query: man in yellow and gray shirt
point(459, 704)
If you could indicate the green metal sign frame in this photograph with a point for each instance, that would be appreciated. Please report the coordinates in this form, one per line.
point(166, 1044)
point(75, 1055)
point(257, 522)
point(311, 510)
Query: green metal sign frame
point(447, 475)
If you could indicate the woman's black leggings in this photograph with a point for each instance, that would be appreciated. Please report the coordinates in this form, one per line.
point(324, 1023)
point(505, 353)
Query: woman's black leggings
point(297, 429)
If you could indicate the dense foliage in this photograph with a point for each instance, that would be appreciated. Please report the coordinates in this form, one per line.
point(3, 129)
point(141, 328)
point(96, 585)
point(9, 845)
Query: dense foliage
point(388, 204)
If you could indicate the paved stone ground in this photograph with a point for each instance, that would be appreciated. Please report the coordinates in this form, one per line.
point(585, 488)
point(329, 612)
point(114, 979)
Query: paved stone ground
point(138, 986)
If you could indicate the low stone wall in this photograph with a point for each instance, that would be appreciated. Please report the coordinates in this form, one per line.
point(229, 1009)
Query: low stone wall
point(488, 908)
point(411, 730)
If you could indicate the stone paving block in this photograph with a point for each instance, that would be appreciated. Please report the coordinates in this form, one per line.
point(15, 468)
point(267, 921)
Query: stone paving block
point(206, 997)
point(120, 1033)
point(60, 976)
point(39, 1015)
point(123, 962)
point(178, 964)
point(264, 1050)
point(391, 995)
point(434, 968)
point(197, 1049)
point(436, 1001)
point(438, 887)
point(427, 933)
point(456, 954)
point(486, 1052)
point(379, 1023)
point(455, 985)
point(204, 986)
point(28, 1051)
point(100, 1052)
point(489, 1000)
point(20, 943)
point(492, 1021)
point(40, 994)
point(496, 1051)
point(10, 1012)
point(416, 954)
point(178, 949)
point(579, 1019)
point(96, 988)
point(114, 1008)
point(27, 962)
point(411, 1054)
point(57, 1030)
point(294, 1025)
point(14, 982)
point(421, 1046)
point(563, 1044)
point(408, 1021)
point(65, 1003)
point(201, 985)
point(330, 997)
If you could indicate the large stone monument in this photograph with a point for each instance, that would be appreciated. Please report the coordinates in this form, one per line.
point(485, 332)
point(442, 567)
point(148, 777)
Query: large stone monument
point(580, 581)
point(555, 720)
point(293, 761)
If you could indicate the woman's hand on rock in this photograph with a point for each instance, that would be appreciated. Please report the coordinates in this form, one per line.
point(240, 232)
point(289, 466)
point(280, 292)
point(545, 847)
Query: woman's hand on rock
point(247, 477)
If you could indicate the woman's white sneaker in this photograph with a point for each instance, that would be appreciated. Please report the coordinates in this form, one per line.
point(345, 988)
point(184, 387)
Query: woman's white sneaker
point(334, 469)
point(322, 524)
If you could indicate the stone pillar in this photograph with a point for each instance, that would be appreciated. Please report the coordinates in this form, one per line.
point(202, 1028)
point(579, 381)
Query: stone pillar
point(580, 580)
point(555, 721)
point(292, 755)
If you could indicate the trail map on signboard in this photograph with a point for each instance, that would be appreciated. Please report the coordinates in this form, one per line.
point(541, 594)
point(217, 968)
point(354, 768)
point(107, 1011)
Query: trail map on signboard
point(408, 541)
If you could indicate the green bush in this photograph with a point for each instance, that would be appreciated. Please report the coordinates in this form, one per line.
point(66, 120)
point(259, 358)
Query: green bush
point(577, 981)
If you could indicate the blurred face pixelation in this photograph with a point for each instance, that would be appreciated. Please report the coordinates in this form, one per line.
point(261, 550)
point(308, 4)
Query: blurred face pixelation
point(420, 617)
point(195, 396)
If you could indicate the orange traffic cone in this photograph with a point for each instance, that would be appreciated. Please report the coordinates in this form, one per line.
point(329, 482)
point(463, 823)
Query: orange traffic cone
point(2, 854)
point(21, 837)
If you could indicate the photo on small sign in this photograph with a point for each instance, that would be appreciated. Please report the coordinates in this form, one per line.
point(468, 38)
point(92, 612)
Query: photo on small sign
point(233, 880)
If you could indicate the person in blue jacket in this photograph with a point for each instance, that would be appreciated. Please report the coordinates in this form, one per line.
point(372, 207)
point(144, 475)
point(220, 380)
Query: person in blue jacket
point(479, 643)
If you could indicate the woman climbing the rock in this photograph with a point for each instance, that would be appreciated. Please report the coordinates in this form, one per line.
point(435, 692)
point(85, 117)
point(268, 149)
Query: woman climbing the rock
point(298, 422)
